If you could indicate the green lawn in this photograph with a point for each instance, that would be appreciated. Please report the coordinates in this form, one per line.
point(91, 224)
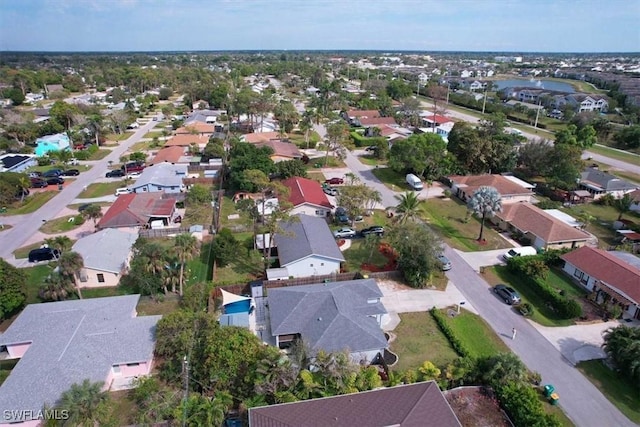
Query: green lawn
point(619, 390)
point(200, 269)
point(419, 339)
point(624, 156)
point(370, 160)
point(110, 291)
point(476, 335)
point(100, 189)
point(148, 307)
point(118, 137)
point(392, 179)
point(332, 162)
point(23, 252)
point(542, 313)
point(153, 134)
point(198, 214)
point(62, 224)
point(36, 276)
point(146, 146)
point(31, 203)
point(357, 255)
point(297, 138)
point(448, 217)
point(100, 154)
point(602, 226)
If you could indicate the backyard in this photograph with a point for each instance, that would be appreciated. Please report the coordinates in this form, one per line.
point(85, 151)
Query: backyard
point(450, 217)
point(602, 225)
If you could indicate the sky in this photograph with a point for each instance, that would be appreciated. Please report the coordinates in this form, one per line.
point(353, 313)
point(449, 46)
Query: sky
point(388, 25)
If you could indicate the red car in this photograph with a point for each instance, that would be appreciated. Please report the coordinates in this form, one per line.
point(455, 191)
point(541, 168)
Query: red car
point(335, 181)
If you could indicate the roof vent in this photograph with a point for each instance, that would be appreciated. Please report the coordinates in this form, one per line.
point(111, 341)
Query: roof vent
point(319, 319)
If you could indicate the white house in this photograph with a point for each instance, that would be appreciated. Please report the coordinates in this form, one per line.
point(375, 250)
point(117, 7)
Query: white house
point(306, 247)
point(17, 162)
point(165, 177)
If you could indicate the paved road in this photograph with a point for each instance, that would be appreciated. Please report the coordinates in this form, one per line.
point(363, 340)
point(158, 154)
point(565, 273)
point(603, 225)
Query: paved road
point(29, 224)
point(580, 400)
point(532, 135)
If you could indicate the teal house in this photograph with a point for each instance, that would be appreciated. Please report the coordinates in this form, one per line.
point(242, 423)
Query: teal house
point(49, 143)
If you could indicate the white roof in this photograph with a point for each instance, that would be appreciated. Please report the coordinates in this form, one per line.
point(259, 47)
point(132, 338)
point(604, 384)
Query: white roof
point(520, 182)
point(566, 218)
point(106, 250)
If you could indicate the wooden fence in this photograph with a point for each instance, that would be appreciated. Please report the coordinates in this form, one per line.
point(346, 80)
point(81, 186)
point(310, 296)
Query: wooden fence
point(162, 232)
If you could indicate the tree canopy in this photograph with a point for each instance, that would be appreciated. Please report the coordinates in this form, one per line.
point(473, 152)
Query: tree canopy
point(417, 248)
point(13, 283)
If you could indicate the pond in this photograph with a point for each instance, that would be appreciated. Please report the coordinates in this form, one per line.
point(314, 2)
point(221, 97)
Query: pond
point(535, 83)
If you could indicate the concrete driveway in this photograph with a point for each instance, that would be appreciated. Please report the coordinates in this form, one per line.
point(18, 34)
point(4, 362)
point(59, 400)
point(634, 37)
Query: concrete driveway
point(482, 258)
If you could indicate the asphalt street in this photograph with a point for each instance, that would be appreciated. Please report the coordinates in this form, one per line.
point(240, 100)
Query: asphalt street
point(581, 401)
point(15, 237)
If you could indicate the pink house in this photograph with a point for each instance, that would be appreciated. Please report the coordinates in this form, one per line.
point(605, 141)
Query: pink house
point(63, 343)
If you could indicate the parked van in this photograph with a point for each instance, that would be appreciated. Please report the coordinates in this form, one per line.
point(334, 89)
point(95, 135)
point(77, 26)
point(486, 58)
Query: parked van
point(522, 251)
point(43, 254)
point(414, 182)
point(122, 190)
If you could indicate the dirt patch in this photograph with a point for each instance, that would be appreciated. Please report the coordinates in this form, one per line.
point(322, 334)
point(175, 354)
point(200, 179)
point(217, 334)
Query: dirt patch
point(476, 407)
point(392, 286)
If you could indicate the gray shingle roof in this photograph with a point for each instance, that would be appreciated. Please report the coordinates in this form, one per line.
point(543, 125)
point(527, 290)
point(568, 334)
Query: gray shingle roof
point(305, 237)
point(162, 175)
point(605, 180)
point(72, 341)
point(106, 250)
point(330, 316)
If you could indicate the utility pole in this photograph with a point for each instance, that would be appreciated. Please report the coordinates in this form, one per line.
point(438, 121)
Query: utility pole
point(484, 100)
point(185, 372)
point(537, 113)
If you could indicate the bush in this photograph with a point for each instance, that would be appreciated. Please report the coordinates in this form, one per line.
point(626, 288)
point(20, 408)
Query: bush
point(549, 204)
point(441, 321)
point(527, 266)
point(525, 309)
point(521, 403)
point(606, 200)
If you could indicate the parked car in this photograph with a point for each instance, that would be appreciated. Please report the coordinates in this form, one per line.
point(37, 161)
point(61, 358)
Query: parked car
point(330, 191)
point(122, 190)
point(345, 232)
point(43, 254)
point(83, 207)
point(74, 162)
point(375, 230)
point(133, 175)
point(58, 180)
point(334, 181)
point(38, 183)
point(35, 174)
point(371, 148)
point(52, 173)
point(71, 172)
point(444, 262)
point(508, 294)
point(133, 168)
point(117, 173)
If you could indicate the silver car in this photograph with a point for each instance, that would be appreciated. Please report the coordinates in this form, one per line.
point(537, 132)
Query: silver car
point(444, 262)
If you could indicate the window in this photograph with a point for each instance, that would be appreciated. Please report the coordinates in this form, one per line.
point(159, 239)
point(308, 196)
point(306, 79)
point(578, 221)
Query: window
point(310, 265)
point(130, 365)
point(322, 264)
point(116, 369)
point(577, 273)
point(100, 278)
point(320, 213)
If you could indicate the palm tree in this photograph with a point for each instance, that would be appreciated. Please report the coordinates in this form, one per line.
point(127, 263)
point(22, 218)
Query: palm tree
point(69, 265)
point(622, 344)
point(408, 208)
point(585, 219)
point(61, 243)
point(56, 288)
point(485, 202)
point(83, 402)
point(94, 123)
point(25, 183)
point(185, 248)
point(623, 205)
point(93, 212)
point(306, 124)
point(155, 261)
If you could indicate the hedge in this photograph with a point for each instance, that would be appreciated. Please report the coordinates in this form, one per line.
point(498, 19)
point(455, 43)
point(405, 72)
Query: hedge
point(441, 321)
point(523, 406)
point(566, 308)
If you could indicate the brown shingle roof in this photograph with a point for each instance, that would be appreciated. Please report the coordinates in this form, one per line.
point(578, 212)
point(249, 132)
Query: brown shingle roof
point(413, 405)
point(607, 268)
point(504, 186)
point(185, 140)
point(528, 218)
point(168, 154)
point(253, 138)
point(282, 149)
point(363, 113)
point(133, 210)
point(195, 127)
point(377, 121)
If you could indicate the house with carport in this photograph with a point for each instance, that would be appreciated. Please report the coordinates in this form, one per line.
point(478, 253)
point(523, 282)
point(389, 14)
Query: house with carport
point(539, 228)
point(599, 183)
point(307, 197)
point(59, 344)
point(134, 211)
point(106, 255)
point(330, 317)
point(612, 277)
point(306, 247)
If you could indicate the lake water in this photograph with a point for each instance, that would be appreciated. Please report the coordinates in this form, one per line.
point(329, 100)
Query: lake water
point(540, 84)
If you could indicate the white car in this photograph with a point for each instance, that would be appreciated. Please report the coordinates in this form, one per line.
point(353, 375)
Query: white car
point(123, 190)
point(133, 125)
point(133, 175)
point(345, 232)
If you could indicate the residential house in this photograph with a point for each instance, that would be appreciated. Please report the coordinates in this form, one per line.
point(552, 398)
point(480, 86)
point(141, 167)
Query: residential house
point(599, 183)
point(52, 89)
point(196, 128)
point(409, 405)
point(205, 116)
point(256, 137)
point(165, 177)
point(511, 189)
point(281, 150)
point(529, 106)
point(139, 210)
point(475, 86)
point(17, 162)
point(173, 154)
point(367, 122)
point(187, 140)
point(200, 104)
point(635, 196)
point(64, 343)
point(52, 143)
point(433, 120)
point(306, 247)
point(30, 98)
point(583, 102)
point(106, 256)
point(330, 317)
point(610, 275)
point(539, 228)
point(307, 197)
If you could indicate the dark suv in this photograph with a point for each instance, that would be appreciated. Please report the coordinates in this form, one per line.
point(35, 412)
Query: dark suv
point(116, 173)
point(38, 183)
point(55, 180)
point(508, 294)
point(43, 254)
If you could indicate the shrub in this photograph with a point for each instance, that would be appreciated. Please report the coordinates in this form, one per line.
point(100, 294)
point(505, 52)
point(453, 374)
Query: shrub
point(521, 402)
point(606, 200)
point(525, 309)
point(441, 321)
point(549, 204)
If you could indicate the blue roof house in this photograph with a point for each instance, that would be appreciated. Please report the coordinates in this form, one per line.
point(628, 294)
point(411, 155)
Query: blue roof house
point(50, 143)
